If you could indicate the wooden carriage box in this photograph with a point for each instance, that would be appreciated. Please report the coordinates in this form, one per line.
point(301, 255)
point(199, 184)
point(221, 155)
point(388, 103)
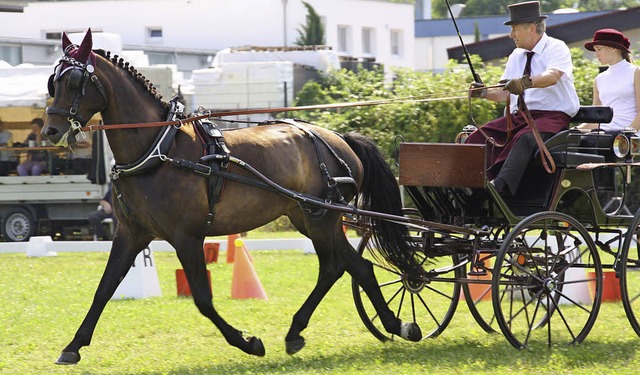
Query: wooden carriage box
point(442, 164)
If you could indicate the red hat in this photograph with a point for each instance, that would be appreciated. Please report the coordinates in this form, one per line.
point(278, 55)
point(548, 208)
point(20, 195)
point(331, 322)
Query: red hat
point(609, 37)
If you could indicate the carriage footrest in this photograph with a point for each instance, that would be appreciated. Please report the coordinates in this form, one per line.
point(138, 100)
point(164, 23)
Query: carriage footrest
point(573, 159)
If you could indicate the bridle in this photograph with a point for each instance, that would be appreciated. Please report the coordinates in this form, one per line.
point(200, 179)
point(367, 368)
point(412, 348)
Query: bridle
point(79, 75)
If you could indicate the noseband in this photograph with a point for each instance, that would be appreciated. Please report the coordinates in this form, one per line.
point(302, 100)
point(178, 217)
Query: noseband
point(78, 74)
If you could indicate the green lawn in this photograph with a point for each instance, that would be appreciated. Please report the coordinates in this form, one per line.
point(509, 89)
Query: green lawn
point(43, 300)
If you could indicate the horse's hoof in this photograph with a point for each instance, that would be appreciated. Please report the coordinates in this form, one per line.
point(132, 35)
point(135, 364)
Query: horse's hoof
point(410, 331)
point(68, 358)
point(257, 347)
point(294, 346)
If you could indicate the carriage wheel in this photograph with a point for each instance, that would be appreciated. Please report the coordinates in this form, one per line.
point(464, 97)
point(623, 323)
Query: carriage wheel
point(540, 288)
point(629, 267)
point(430, 304)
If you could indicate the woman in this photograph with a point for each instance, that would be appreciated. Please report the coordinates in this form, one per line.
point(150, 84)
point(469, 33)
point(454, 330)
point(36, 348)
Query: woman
point(617, 87)
point(36, 160)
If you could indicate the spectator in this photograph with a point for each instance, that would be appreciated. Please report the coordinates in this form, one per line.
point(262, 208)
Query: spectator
point(36, 160)
point(7, 158)
point(104, 211)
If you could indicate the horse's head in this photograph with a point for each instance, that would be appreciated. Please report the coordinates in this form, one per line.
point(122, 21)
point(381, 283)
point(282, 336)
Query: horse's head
point(77, 92)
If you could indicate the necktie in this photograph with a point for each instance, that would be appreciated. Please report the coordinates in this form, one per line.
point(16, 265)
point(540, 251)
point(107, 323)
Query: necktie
point(527, 66)
point(526, 72)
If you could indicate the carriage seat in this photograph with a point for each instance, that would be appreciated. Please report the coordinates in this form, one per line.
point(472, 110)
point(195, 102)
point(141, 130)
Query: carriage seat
point(565, 147)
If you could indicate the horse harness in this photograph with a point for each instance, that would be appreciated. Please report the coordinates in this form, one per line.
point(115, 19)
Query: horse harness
point(214, 164)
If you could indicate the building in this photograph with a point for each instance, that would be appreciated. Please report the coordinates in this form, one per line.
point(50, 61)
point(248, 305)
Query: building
point(437, 41)
point(188, 33)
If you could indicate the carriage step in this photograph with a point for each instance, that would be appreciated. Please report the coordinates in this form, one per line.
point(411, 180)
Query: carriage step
point(477, 273)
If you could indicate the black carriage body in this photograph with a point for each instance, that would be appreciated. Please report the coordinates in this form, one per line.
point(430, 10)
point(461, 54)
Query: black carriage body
point(516, 260)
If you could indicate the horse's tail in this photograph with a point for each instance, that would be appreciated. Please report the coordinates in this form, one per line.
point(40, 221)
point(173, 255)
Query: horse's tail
point(379, 192)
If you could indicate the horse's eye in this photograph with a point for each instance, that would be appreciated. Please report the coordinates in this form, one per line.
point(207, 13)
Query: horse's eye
point(52, 89)
point(75, 80)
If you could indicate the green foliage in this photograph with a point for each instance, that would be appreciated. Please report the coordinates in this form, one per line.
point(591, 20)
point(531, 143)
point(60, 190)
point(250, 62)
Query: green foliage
point(311, 33)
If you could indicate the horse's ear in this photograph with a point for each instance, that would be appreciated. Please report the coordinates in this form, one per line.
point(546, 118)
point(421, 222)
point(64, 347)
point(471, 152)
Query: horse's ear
point(85, 47)
point(66, 42)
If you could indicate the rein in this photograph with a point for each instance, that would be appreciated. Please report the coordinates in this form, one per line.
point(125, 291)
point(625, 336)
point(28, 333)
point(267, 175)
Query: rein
point(209, 114)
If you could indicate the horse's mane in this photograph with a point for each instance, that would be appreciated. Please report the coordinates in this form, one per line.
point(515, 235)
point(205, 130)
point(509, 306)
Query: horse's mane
point(133, 72)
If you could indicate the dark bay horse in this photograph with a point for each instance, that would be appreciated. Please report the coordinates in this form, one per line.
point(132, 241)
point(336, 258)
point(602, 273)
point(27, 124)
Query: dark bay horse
point(172, 203)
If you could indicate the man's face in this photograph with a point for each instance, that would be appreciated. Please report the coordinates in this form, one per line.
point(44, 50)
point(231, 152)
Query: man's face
point(524, 35)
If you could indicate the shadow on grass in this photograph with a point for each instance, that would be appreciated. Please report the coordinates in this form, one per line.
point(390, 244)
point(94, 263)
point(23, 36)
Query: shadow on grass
point(475, 355)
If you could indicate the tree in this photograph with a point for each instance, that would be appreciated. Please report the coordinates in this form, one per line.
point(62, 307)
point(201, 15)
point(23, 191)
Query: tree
point(500, 7)
point(311, 33)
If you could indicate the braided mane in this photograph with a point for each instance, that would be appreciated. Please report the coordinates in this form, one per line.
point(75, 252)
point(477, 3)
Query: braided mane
point(133, 72)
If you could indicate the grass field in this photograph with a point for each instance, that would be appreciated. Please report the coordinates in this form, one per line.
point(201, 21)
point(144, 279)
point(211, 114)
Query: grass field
point(43, 300)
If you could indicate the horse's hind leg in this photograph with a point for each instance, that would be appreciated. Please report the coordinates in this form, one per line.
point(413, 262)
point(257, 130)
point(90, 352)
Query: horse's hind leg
point(362, 271)
point(123, 253)
point(335, 255)
point(196, 271)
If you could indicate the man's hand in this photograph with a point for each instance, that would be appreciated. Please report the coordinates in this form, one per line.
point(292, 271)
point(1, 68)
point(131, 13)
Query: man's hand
point(477, 90)
point(517, 86)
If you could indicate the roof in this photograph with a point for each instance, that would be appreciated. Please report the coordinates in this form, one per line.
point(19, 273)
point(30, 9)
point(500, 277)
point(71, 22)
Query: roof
point(486, 24)
point(569, 31)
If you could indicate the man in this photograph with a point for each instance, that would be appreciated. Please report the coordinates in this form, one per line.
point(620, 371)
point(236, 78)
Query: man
point(547, 89)
point(7, 158)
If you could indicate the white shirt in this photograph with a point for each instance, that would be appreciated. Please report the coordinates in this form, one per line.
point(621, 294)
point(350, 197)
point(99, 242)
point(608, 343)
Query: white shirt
point(616, 90)
point(549, 53)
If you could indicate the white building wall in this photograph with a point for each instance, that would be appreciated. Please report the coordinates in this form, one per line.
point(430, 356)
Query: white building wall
point(217, 24)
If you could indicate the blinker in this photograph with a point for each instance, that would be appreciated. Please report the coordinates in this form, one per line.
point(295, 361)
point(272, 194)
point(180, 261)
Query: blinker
point(50, 86)
point(75, 79)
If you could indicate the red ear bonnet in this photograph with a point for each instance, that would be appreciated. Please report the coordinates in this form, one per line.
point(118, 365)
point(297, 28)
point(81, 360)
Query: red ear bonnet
point(82, 54)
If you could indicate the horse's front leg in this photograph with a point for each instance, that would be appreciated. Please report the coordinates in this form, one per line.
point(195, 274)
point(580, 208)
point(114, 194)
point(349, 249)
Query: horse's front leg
point(330, 270)
point(191, 257)
point(123, 253)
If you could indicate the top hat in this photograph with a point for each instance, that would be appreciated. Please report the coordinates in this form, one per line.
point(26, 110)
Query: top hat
point(524, 12)
point(609, 37)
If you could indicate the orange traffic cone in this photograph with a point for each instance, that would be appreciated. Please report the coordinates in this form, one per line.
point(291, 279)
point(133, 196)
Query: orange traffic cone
point(245, 283)
point(231, 247)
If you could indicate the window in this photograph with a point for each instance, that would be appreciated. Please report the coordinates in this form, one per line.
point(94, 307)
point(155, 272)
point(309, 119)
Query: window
point(161, 58)
point(368, 40)
point(154, 34)
point(396, 42)
point(11, 54)
point(344, 38)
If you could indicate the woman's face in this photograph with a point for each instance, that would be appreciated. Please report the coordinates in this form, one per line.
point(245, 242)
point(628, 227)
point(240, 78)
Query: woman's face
point(607, 55)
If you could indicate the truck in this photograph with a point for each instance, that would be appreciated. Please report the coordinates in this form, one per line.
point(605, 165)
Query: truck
point(56, 204)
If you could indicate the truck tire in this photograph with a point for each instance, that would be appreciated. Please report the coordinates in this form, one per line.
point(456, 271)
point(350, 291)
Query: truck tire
point(17, 225)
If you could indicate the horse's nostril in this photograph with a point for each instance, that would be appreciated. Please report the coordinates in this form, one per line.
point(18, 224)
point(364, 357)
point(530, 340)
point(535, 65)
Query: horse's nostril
point(51, 131)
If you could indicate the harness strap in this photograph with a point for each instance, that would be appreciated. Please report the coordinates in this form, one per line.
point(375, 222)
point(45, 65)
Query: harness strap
point(332, 182)
point(545, 156)
point(157, 152)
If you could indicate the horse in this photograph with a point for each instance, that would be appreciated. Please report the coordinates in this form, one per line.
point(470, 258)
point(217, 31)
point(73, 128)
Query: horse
point(161, 200)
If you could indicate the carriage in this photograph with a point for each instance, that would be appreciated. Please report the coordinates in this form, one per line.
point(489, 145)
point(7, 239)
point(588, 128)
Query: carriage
point(520, 264)
point(530, 265)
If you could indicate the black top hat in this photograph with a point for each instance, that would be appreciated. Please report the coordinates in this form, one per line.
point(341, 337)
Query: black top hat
point(524, 12)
